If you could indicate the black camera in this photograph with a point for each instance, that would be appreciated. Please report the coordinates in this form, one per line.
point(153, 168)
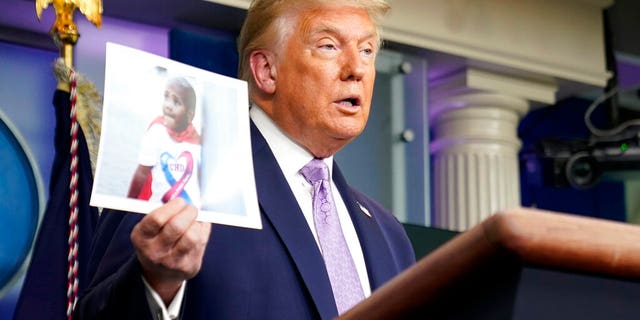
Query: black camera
point(581, 163)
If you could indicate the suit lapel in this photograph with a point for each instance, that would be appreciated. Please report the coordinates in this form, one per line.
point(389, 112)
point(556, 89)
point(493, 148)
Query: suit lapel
point(375, 248)
point(282, 210)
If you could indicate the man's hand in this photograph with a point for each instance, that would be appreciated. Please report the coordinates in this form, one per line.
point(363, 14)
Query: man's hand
point(170, 245)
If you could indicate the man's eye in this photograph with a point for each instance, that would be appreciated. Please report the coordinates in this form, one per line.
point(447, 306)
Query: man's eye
point(327, 46)
point(368, 52)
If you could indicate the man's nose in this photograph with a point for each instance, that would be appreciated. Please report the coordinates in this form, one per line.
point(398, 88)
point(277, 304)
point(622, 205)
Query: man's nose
point(353, 65)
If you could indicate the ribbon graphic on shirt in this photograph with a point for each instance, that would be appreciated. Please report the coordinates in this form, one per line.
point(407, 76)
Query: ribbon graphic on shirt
point(177, 187)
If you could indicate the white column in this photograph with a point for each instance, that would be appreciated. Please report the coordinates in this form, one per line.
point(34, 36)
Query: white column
point(474, 117)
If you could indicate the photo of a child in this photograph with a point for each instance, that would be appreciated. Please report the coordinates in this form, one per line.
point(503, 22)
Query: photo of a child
point(169, 158)
point(172, 130)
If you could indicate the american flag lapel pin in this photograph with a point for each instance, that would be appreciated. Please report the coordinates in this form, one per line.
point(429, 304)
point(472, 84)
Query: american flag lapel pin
point(363, 209)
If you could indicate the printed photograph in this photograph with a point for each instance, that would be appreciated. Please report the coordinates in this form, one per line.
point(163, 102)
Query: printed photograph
point(172, 130)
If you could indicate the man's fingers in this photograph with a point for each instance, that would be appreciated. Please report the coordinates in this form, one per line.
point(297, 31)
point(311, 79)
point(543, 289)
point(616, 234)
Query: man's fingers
point(177, 226)
point(152, 224)
point(189, 249)
point(194, 240)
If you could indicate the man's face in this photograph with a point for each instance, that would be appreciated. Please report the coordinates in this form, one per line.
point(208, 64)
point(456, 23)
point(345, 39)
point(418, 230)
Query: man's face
point(176, 114)
point(324, 78)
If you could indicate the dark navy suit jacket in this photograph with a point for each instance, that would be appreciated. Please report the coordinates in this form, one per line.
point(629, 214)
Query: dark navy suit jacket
point(273, 273)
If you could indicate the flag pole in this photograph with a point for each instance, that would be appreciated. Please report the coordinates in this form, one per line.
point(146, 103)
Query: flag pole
point(65, 35)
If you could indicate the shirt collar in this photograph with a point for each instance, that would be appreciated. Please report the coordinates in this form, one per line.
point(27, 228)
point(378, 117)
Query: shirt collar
point(290, 155)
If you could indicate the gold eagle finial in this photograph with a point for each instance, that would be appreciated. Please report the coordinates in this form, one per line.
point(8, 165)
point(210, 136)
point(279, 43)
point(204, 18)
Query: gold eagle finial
point(92, 9)
point(64, 30)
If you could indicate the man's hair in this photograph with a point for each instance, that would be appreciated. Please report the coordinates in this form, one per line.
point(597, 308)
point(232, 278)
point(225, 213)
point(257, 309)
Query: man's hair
point(265, 25)
point(187, 93)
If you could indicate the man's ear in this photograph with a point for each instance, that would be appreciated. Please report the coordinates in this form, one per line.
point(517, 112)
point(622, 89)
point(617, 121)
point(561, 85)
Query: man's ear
point(263, 70)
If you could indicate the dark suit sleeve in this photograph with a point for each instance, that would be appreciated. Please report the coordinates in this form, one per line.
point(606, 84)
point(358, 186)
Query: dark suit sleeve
point(116, 290)
point(399, 242)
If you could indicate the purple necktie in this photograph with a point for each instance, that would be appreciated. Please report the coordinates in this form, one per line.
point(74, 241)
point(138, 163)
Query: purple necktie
point(347, 290)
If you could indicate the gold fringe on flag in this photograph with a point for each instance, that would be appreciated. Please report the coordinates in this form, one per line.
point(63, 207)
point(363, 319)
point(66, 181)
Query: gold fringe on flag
point(88, 104)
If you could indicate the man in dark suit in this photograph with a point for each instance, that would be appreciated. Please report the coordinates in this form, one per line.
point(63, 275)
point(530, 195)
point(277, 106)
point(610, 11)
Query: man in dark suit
point(310, 66)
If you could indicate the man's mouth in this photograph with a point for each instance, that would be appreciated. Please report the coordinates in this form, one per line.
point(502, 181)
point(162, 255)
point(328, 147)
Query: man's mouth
point(350, 102)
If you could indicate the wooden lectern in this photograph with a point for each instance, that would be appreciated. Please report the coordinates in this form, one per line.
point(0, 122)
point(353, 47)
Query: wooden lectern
point(520, 264)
